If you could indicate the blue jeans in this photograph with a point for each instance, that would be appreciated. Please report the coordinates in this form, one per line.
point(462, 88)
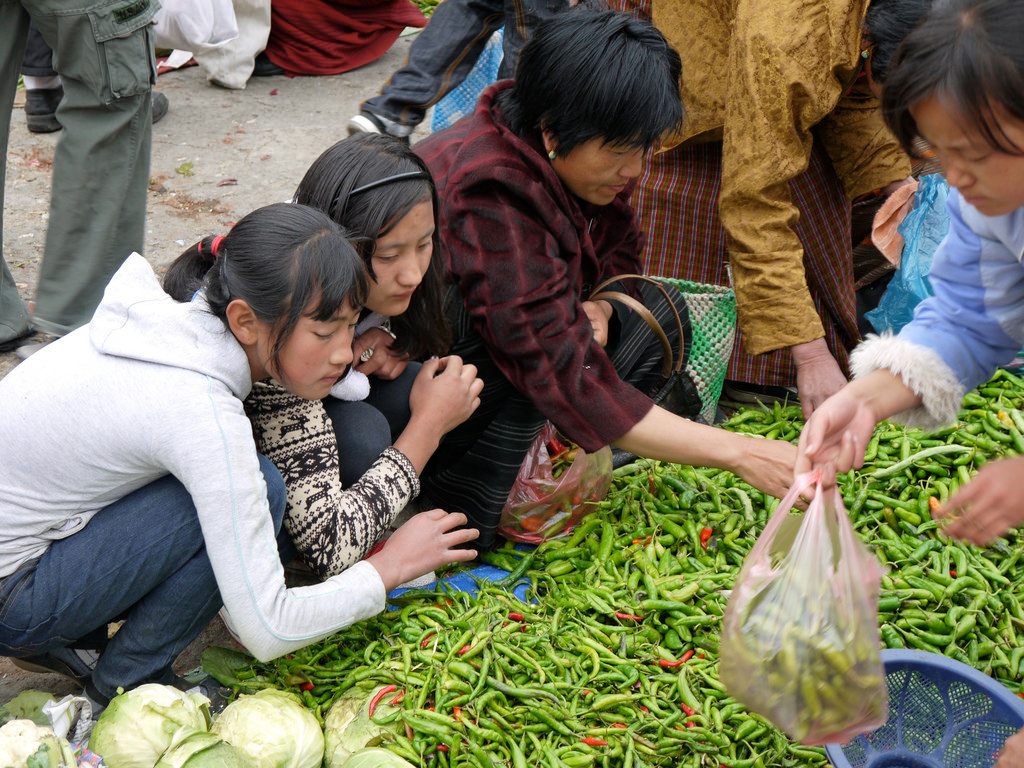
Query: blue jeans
point(142, 559)
point(443, 54)
point(365, 428)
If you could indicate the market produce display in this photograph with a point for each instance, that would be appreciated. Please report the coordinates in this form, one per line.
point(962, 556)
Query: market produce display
point(613, 662)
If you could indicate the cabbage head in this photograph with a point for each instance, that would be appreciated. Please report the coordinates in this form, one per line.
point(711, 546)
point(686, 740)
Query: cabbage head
point(348, 727)
point(139, 725)
point(23, 743)
point(273, 729)
point(203, 750)
point(376, 758)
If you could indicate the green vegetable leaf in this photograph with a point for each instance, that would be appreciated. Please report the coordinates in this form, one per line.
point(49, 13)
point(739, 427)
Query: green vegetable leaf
point(223, 664)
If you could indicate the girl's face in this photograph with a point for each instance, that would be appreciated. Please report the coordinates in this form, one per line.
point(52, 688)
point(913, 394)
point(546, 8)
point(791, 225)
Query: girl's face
point(400, 259)
point(315, 355)
point(595, 171)
point(989, 179)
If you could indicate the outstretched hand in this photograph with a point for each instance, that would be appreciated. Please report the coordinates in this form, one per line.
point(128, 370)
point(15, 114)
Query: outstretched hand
point(1012, 753)
point(768, 465)
point(988, 506)
point(835, 436)
point(426, 542)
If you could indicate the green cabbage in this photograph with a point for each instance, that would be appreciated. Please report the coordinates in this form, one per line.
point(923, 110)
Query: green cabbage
point(273, 729)
point(203, 750)
point(348, 727)
point(138, 726)
point(25, 744)
point(376, 758)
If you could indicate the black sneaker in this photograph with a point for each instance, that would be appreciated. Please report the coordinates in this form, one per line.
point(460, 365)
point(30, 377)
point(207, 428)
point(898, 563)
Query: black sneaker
point(160, 106)
point(41, 109)
point(264, 67)
point(367, 122)
point(75, 663)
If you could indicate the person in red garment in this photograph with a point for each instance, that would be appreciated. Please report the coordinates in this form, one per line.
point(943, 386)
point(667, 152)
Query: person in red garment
point(533, 192)
point(328, 37)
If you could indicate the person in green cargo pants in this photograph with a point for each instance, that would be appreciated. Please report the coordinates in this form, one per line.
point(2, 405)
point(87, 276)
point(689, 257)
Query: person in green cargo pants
point(104, 53)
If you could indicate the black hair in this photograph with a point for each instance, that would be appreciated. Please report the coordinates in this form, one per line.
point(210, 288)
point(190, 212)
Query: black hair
point(596, 74)
point(279, 260)
point(356, 163)
point(968, 54)
point(887, 24)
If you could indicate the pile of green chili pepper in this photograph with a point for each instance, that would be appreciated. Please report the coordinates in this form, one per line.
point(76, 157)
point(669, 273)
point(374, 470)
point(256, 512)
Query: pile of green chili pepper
point(613, 661)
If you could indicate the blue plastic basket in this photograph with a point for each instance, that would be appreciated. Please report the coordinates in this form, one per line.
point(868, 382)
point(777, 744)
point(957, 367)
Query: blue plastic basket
point(942, 714)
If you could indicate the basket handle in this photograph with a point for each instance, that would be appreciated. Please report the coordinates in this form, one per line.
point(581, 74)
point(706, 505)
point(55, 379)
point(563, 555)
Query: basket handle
point(670, 363)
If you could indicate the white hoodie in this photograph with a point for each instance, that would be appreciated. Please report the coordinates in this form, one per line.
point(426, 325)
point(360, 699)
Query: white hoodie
point(153, 387)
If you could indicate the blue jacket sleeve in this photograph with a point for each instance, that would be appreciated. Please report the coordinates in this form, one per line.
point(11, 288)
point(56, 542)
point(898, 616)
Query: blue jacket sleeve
point(974, 322)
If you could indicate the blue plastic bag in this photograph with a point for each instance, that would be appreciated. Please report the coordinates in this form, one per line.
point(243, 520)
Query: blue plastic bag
point(923, 229)
point(462, 100)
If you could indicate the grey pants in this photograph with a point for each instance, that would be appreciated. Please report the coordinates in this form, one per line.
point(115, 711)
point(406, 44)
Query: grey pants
point(103, 51)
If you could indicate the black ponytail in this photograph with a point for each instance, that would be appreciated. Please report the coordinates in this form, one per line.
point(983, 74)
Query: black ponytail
point(283, 260)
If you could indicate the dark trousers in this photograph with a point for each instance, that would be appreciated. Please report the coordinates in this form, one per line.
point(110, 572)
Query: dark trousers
point(443, 54)
point(38, 59)
point(476, 464)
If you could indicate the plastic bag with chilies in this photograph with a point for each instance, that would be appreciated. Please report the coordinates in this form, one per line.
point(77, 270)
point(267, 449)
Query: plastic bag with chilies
point(800, 642)
point(543, 506)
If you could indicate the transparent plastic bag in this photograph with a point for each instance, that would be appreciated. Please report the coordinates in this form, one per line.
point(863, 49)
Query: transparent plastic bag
point(557, 486)
point(800, 642)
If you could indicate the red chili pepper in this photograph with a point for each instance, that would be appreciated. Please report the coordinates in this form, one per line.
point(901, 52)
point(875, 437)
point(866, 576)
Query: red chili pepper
point(380, 695)
point(689, 710)
point(629, 616)
point(522, 627)
point(397, 699)
point(669, 663)
point(515, 616)
point(701, 656)
point(644, 541)
point(464, 649)
point(587, 692)
point(690, 724)
point(644, 709)
point(457, 712)
point(426, 640)
point(952, 572)
point(442, 747)
point(307, 686)
point(590, 741)
point(686, 656)
point(705, 536)
point(619, 725)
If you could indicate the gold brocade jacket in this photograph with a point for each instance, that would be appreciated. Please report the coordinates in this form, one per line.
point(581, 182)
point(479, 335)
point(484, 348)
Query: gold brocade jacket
point(761, 75)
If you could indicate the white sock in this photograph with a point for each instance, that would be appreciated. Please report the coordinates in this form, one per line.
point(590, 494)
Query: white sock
point(48, 83)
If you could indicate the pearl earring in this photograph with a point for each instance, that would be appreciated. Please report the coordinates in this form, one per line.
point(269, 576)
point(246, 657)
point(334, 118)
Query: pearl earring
point(551, 155)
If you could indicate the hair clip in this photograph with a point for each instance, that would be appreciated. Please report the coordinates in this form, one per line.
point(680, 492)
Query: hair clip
point(215, 245)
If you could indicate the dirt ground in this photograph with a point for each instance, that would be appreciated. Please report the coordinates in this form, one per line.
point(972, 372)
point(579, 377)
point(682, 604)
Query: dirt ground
point(216, 155)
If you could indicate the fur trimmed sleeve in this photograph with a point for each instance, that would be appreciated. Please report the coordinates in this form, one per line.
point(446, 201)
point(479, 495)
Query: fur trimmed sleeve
point(921, 369)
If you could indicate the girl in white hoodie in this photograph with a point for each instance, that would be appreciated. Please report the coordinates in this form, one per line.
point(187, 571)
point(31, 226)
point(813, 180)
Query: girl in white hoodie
point(131, 487)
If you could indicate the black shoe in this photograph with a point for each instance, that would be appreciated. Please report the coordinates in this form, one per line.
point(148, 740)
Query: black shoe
point(264, 67)
point(75, 663)
point(198, 680)
point(12, 344)
point(41, 109)
point(367, 122)
point(160, 106)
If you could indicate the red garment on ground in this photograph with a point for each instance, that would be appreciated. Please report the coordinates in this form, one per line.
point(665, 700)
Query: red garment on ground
point(321, 37)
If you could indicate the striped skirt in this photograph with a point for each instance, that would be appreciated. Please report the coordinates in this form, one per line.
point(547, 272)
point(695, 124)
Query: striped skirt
point(677, 204)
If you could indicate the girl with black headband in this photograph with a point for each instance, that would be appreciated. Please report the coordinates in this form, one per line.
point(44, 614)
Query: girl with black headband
point(132, 487)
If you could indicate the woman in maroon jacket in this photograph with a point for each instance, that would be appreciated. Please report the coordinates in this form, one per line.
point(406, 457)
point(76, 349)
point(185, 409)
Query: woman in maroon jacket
point(533, 190)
